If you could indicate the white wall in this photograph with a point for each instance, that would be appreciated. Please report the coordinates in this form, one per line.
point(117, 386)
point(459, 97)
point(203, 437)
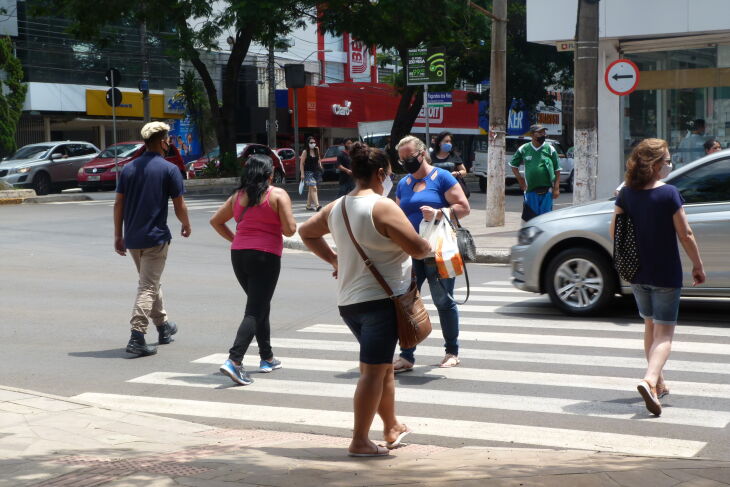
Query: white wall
point(554, 20)
point(610, 164)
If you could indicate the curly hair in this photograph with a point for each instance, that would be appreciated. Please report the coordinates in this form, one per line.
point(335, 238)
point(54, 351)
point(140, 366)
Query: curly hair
point(640, 165)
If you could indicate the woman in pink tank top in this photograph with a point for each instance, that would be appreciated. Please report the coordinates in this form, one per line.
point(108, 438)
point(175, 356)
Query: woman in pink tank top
point(263, 214)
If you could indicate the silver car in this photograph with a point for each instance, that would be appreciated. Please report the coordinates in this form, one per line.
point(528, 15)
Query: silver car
point(46, 166)
point(568, 253)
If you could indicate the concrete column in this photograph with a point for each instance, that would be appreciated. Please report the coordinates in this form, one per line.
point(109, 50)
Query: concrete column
point(102, 137)
point(46, 129)
point(610, 146)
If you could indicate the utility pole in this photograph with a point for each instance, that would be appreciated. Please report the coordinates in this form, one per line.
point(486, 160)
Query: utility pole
point(271, 78)
point(586, 102)
point(144, 83)
point(497, 110)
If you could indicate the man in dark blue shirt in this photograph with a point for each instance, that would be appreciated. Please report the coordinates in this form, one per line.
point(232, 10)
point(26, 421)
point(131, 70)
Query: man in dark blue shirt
point(140, 208)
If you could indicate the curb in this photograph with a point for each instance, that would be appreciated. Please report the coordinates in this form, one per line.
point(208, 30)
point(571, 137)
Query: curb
point(497, 256)
point(55, 198)
point(11, 201)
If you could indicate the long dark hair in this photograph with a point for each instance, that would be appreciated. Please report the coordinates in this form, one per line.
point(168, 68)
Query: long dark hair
point(316, 149)
point(366, 161)
point(255, 177)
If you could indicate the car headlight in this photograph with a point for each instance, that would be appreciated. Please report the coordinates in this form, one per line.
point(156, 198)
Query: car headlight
point(23, 170)
point(527, 235)
point(80, 171)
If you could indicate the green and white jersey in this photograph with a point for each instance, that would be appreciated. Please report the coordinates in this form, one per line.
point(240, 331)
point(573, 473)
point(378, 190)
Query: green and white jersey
point(541, 164)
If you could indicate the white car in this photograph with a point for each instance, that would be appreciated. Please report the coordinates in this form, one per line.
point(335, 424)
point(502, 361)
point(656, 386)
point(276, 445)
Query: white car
point(512, 143)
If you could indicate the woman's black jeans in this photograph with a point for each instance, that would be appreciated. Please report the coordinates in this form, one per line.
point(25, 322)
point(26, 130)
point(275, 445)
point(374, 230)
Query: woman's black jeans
point(258, 273)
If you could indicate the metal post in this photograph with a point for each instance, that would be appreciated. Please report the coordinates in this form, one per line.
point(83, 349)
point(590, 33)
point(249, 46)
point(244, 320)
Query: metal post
point(114, 129)
point(296, 132)
point(497, 112)
point(145, 71)
point(271, 132)
point(425, 111)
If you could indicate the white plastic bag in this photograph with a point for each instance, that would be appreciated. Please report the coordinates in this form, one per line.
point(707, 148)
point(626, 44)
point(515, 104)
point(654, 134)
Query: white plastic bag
point(301, 186)
point(445, 247)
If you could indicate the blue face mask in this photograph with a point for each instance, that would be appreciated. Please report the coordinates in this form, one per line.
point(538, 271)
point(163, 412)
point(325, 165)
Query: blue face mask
point(446, 147)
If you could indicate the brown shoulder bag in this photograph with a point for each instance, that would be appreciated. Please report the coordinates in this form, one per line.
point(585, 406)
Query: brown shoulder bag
point(414, 324)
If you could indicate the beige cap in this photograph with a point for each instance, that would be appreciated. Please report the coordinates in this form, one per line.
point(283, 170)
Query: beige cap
point(152, 128)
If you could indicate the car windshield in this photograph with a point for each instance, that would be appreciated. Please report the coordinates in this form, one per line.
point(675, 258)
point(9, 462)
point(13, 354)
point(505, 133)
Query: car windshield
point(31, 152)
point(259, 149)
point(119, 150)
point(333, 151)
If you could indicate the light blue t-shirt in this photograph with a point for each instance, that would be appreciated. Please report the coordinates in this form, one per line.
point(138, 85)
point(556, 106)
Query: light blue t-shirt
point(433, 195)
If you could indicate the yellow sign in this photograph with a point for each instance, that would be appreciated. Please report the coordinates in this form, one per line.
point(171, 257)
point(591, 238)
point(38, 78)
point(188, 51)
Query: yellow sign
point(131, 105)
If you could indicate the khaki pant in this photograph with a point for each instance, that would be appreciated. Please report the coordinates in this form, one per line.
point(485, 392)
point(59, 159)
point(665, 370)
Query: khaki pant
point(149, 305)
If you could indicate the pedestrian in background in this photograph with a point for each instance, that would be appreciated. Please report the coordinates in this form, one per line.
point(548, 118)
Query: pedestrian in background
point(388, 239)
point(444, 156)
point(263, 213)
point(541, 184)
point(656, 211)
point(140, 225)
point(311, 169)
point(711, 146)
point(421, 195)
point(691, 147)
point(347, 184)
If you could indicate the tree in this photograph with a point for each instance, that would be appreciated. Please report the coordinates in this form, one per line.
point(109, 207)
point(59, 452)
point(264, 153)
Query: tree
point(195, 26)
point(12, 95)
point(192, 94)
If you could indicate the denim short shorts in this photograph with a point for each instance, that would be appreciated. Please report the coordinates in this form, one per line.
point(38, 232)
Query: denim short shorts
point(374, 325)
point(661, 304)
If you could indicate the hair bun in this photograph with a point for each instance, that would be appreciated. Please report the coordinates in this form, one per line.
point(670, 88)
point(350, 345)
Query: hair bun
point(359, 152)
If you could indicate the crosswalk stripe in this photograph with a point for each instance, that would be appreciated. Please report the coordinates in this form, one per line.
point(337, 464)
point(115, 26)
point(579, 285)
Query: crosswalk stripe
point(547, 405)
point(636, 364)
point(624, 384)
point(465, 308)
point(584, 325)
point(558, 340)
point(524, 298)
point(474, 430)
point(496, 290)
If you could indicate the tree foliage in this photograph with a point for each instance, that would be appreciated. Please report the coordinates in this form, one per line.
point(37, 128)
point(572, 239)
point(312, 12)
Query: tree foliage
point(12, 95)
point(192, 94)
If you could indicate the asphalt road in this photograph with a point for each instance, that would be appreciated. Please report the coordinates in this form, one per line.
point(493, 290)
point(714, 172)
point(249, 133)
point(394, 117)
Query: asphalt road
point(529, 376)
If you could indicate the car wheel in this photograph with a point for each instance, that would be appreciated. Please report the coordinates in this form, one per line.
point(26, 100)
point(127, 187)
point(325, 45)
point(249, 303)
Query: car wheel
point(483, 185)
point(279, 177)
point(42, 184)
point(580, 281)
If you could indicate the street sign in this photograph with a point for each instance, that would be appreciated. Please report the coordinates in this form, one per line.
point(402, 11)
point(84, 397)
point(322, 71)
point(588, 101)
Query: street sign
point(440, 99)
point(113, 77)
point(113, 97)
point(565, 46)
point(622, 77)
point(426, 66)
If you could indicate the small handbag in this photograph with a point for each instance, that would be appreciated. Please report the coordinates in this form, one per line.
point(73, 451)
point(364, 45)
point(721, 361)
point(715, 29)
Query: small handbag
point(414, 324)
point(625, 248)
point(467, 247)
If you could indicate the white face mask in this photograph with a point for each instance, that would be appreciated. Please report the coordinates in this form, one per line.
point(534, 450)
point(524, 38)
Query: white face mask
point(387, 185)
point(312, 145)
point(665, 170)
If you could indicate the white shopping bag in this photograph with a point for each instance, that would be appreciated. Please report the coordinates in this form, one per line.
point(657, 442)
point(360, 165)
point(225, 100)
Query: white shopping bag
point(445, 247)
point(301, 186)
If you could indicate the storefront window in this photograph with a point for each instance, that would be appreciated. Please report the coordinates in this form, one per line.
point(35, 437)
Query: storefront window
point(683, 97)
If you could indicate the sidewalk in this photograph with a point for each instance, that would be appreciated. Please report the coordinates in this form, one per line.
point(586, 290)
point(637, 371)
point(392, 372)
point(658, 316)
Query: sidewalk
point(52, 441)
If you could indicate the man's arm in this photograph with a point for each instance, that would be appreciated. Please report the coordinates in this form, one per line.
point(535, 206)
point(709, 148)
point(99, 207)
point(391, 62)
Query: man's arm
point(181, 212)
point(118, 224)
point(556, 168)
point(516, 162)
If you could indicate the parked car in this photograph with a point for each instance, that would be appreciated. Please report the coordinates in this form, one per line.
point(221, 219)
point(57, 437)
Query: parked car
point(567, 253)
point(289, 160)
point(100, 172)
point(329, 162)
point(243, 151)
point(46, 166)
point(512, 143)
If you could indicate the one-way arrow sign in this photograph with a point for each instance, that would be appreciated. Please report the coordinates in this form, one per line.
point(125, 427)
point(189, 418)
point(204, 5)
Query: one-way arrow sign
point(622, 77)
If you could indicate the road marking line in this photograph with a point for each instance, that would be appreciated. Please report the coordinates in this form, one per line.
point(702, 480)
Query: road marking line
point(471, 430)
point(557, 340)
point(700, 389)
point(465, 308)
point(637, 364)
point(524, 298)
point(497, 290)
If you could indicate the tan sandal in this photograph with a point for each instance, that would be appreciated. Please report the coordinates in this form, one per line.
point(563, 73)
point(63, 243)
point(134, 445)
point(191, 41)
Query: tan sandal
point(401, 365)
point(662, 391)
point(450, 360)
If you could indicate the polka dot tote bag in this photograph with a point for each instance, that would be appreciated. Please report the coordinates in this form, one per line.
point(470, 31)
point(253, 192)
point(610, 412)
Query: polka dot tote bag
point(625, 249)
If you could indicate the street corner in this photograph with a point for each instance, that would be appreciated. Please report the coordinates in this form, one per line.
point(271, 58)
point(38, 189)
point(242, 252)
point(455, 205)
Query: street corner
point(15, 196)
point(57, 198)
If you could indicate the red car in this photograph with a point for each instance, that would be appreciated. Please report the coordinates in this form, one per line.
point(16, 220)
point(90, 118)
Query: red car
point(100, 173)
point(329, 162)
point(197, 168)
point(289, 160)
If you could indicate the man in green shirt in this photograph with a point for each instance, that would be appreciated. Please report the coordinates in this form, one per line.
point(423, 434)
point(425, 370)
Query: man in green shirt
point(541, 183)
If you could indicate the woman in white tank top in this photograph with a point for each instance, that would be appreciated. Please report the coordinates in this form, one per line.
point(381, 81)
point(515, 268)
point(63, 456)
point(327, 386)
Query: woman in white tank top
point(389, 240)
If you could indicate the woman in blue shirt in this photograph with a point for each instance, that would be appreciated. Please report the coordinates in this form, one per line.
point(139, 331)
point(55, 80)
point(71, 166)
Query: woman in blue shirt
point(421, 195)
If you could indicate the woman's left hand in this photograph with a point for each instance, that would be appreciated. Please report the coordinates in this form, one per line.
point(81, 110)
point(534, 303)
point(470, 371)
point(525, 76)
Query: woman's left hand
point(428, 213)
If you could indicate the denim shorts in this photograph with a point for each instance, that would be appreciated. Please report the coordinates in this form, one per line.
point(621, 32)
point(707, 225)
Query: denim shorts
point(660, 304)
point(374, 325)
